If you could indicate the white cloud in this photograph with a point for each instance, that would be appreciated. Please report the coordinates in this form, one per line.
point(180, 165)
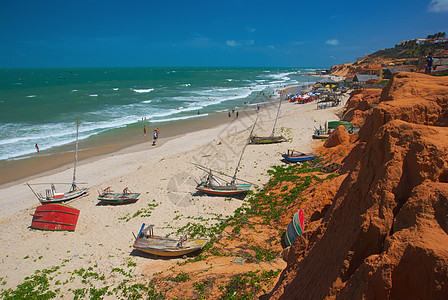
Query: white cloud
point(232, 43)
point(332, 42)
point(250, 29)
point(438, 6)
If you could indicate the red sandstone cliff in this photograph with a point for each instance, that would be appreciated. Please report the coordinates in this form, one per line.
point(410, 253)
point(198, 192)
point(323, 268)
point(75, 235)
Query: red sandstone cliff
point(359, 105)
point(384, 233)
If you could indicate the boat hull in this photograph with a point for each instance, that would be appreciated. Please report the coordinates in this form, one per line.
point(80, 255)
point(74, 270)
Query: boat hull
point(111, 198)
point(267, 140)
point(304, 157)
point(320, 136)
point(168, 247)
point(336, 124)
point(295, 228)
point(66, 197)
point(55, 217)
point(241, 189)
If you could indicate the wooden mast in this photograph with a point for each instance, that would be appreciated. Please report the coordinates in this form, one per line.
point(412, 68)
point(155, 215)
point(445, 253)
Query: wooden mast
point(244, 148)
point(278, 112)
point(74, 187)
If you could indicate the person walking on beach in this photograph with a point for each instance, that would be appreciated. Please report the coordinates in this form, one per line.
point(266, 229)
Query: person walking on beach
point(429, 62)
point(237, 114)
point(37, 147)
point(258, 107)
point(155, 136)
point(229, 114)
point(144, 130)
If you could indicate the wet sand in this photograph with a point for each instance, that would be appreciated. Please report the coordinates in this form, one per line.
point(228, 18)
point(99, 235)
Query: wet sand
point(126, 140)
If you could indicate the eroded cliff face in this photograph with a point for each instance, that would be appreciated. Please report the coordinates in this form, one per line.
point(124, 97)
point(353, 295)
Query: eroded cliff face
point(359, 105)
point(384, 234)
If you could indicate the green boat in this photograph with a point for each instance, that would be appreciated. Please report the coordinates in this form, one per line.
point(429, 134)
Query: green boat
point(108, 196)
point(349, 127)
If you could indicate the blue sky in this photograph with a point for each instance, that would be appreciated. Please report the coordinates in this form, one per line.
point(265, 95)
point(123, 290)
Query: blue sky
point(80, 33)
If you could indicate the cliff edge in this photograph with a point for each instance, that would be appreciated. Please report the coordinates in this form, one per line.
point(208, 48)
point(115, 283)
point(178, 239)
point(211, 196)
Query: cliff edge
point(384, 233)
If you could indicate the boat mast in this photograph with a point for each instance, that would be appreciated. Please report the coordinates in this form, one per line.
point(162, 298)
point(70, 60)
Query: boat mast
point(278, 112)
point(76, 156)
point(241, 156)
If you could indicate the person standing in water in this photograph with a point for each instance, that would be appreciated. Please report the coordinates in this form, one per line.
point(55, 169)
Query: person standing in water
point(37, 147)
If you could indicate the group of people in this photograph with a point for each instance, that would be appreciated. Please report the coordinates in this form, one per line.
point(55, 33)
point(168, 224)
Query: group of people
point(233, 111)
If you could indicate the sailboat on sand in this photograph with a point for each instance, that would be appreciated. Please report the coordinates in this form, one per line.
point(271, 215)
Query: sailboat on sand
point(213, 185)
point(272, 138)
point(51, 196)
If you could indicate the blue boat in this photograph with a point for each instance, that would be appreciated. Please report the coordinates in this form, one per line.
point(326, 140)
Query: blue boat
point(294, 156)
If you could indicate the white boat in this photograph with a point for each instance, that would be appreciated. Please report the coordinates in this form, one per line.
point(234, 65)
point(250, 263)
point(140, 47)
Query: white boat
point(51, 196)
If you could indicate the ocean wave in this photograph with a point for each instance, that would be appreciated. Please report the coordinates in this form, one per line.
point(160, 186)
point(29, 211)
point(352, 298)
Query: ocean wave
point(142, 90)
point(182, 118)
point(31, 96)
point(146, 101)
point(93, 95)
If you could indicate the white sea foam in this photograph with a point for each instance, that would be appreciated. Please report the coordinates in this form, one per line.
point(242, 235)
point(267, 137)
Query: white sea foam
point(182, 118)
point(181, 105)
point(142, 90)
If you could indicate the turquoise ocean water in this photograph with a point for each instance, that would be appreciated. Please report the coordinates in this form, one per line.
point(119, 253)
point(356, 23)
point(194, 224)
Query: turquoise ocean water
point(41, 105)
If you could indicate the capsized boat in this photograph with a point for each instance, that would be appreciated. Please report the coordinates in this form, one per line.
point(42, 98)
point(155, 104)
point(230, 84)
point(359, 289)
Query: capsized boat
point(55, 216)
point(147, 242)
point(295, 228)
point(295, 156)
point(51, 196)
point(108, 196)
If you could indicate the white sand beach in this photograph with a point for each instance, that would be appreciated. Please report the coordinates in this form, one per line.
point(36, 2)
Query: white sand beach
point(165, 178)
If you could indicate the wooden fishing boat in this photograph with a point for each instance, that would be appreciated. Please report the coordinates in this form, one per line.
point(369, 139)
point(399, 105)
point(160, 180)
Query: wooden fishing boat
point(295, 156)
point(147, 242)
point(267, 139)
point(212, 184)
point(295, 228)
point(272, 138)
point(108, 196)
point(55, 217)
point(321, 134)
point(51, 196)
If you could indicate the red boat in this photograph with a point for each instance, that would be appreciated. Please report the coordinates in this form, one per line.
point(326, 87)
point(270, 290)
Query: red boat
point(55, 217)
